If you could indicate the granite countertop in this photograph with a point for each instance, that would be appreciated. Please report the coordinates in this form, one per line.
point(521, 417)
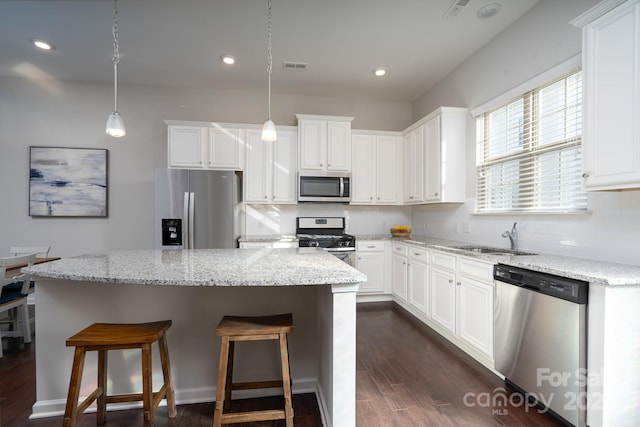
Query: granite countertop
point(593, 271)
point(205, 267)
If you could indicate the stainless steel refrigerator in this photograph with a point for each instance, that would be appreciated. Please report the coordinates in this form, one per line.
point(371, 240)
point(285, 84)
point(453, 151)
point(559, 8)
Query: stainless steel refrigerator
point(197, 209)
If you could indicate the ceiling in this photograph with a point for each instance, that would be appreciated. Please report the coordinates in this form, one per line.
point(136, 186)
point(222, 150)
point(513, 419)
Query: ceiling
point(179, 43)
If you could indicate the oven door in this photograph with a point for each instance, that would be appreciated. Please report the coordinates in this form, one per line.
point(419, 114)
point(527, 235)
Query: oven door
point(347, 256)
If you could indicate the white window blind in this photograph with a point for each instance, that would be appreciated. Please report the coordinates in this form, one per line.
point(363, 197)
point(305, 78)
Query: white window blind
point(529, 154)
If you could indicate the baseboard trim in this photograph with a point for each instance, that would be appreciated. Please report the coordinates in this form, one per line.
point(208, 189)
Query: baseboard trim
point(55, 408)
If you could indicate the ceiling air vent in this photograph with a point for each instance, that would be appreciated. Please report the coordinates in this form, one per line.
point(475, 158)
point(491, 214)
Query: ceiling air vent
point(298, 66)
point(455, 8)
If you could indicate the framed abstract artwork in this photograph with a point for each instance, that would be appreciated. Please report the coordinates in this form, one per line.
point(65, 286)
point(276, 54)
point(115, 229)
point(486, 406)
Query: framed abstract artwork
point(68, 182)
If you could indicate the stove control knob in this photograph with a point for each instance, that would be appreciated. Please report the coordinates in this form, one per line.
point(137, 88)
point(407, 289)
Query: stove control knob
point(314, 244)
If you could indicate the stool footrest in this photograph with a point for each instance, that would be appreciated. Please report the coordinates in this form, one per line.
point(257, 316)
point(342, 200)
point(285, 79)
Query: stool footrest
point(256, 384)
point(245, 417)
point(89, 400)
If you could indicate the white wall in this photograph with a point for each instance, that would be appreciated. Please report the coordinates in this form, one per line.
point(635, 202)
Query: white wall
point(538, 41)
point(72, 114)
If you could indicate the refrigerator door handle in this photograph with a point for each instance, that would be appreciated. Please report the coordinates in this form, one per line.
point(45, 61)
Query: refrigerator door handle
point(192, 198)
point(185, 220)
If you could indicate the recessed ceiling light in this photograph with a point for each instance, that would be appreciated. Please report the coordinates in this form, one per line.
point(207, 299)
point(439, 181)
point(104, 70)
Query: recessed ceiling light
point(41, 44)
point(489, 10)
point(228, 59)
point(379, 72)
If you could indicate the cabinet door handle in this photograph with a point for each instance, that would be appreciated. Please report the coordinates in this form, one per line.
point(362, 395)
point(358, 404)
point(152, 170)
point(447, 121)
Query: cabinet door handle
point(450, 280)
point(436, 194)
point(585, 175)
point(416, 254)
point(458, 283)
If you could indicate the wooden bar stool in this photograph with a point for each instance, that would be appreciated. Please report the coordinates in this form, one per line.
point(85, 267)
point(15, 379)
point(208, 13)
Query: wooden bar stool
point(102, 337)
point(232, 329)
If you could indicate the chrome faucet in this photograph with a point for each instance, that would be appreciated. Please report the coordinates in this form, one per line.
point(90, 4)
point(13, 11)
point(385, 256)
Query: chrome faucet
point(513, 237)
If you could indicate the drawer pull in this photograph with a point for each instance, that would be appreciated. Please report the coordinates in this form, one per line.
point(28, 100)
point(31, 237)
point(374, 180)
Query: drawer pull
point(371, 246)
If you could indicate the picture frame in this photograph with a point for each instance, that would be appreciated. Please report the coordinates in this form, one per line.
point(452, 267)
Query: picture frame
point(68, 182)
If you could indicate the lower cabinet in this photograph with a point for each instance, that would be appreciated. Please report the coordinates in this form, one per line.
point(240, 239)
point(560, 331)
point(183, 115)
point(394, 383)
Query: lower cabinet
point(418, 280)
point(450, 293)
point(443, 298)
point(399, 271)
point(475, 304)
point(268, 244)
point(370, 260)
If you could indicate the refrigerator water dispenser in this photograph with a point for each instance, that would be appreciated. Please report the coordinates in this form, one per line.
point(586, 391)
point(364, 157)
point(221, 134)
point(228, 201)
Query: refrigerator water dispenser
point(171, 232)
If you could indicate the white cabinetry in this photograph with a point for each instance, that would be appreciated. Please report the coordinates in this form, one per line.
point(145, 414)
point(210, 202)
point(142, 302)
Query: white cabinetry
point(276, 244)
point(414, 166)
point(435, 160)
point(611, 95)
point(418, 280)
point(399, 271)
point(270, 172)
point(197, 145)
point(376, 168)
point(225, 148)
point(452, 294)
point(475, 304)
point(371, 260)
point(187, 146)
point(324, 143)
point(443, 290)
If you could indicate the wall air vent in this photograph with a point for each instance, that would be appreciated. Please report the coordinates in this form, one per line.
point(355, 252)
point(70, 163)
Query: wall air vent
point(455, 8)
point(299, 66)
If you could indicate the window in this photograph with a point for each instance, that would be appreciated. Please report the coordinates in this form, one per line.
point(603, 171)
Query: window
point(528, 151)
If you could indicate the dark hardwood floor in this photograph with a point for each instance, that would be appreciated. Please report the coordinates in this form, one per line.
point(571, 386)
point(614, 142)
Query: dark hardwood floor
point(407, 375)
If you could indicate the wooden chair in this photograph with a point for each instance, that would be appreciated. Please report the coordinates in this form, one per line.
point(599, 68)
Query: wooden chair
point(232, 329)
point(13, 299)
point(102, 337)
point(40, 251)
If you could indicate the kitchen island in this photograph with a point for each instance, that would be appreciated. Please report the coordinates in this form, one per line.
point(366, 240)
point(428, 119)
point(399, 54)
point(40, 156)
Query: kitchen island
point(195, 288)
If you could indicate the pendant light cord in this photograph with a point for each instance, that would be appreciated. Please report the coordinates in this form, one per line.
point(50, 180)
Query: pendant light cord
point(116, 55)
point(269, 59)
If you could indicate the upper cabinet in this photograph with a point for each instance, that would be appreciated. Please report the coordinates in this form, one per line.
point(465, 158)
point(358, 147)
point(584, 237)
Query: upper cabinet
point(187, 146)
point(376, 176)
point(435, 157)
point(414, 165)
point(198, 145)
point(270, 172)
point(324, 143)
point(611, 95)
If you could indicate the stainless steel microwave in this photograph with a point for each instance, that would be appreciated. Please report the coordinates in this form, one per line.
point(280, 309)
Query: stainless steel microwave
point(324, 187)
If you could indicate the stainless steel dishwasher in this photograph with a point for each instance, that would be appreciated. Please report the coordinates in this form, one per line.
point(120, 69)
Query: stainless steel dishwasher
point(540, 339)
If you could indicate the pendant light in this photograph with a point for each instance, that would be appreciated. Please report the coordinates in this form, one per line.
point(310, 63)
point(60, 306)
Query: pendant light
point(115, 124)
point(269, 129)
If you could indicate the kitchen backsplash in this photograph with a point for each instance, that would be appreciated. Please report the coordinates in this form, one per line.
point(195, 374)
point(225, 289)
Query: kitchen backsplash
point(274, 220)
point(609, 232)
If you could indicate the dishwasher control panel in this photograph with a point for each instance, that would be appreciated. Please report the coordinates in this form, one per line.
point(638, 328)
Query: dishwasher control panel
point(557, 286)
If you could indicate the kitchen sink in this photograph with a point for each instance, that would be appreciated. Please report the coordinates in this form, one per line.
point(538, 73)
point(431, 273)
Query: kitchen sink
point(492, 251)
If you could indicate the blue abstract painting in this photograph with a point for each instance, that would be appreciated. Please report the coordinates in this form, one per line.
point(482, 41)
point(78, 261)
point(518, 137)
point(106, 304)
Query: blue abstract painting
point(68, 182)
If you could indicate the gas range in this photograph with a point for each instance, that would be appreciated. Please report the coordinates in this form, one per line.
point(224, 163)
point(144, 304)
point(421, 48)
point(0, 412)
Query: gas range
point(324, 232)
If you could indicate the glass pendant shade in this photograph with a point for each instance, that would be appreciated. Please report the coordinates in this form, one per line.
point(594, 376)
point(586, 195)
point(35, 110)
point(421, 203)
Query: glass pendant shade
point(269, 131)
point(115, 125)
